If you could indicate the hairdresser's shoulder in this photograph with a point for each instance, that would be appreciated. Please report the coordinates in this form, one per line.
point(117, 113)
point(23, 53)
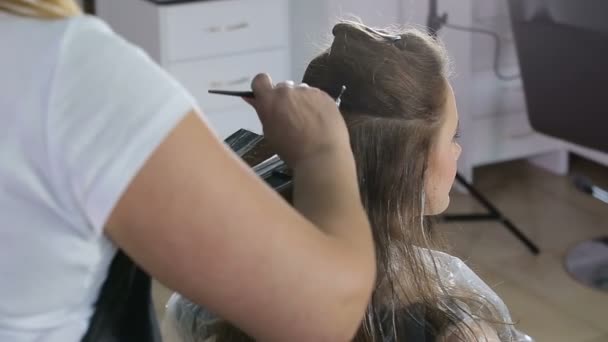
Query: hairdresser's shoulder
point(87, 25)
point(89, 34)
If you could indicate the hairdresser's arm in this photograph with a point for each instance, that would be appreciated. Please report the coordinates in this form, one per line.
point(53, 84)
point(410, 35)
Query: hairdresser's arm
point(202, 223)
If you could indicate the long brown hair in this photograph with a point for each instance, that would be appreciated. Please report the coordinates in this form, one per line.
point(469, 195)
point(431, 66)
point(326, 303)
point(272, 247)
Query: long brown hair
point(44, 9)
point(396, 91)
point(394, 106)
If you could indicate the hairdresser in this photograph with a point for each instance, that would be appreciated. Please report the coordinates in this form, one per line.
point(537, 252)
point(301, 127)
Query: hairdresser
point(103, 154)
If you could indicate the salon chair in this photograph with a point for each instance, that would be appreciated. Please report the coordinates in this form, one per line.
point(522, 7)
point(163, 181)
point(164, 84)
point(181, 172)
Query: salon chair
point(562, 46)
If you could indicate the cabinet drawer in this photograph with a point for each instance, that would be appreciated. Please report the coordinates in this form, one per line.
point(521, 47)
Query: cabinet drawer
point(213, 28)
point(231, 73)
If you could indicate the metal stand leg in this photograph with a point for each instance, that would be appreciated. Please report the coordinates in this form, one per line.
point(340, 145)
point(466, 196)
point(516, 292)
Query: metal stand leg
point(493, 215)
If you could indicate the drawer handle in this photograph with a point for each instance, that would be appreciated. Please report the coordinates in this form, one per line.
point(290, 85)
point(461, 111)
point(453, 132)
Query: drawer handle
point(228, 28)
point(240, 26)
point(235, 82)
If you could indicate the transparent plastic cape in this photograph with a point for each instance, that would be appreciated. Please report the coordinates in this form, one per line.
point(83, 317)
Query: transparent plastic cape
point(188, 322)
point(459, 279)
point(185, 321)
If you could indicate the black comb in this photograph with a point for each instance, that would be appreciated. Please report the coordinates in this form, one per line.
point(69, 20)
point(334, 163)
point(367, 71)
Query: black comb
point(251, 95)
point(247, 94)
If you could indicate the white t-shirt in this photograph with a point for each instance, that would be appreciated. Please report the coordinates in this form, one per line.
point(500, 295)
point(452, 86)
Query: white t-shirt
point(81, 111)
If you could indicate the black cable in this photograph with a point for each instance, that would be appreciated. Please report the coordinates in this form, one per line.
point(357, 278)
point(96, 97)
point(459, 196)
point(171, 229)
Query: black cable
point(497, 48)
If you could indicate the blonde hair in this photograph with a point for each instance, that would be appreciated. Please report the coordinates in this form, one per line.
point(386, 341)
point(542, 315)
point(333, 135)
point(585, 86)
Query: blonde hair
point(43, 9)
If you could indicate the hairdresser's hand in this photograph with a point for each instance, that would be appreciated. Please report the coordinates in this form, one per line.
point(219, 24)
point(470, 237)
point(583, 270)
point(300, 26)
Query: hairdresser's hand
point(299, 121)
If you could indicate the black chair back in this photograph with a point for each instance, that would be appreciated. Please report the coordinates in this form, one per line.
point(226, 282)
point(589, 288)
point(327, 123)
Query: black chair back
point(562, 47)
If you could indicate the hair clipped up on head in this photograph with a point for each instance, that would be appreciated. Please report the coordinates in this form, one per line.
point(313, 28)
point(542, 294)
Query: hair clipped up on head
point(388, 72)
point(345, 28)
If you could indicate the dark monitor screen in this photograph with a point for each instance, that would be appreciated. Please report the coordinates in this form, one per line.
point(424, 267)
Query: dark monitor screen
point(562, 47)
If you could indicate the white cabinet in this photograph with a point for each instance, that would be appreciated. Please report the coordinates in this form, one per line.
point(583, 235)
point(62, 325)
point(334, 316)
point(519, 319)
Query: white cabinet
point(210, 44)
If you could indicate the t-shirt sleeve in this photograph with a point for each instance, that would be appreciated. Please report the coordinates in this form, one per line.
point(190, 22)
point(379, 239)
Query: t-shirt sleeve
point(110, 107)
